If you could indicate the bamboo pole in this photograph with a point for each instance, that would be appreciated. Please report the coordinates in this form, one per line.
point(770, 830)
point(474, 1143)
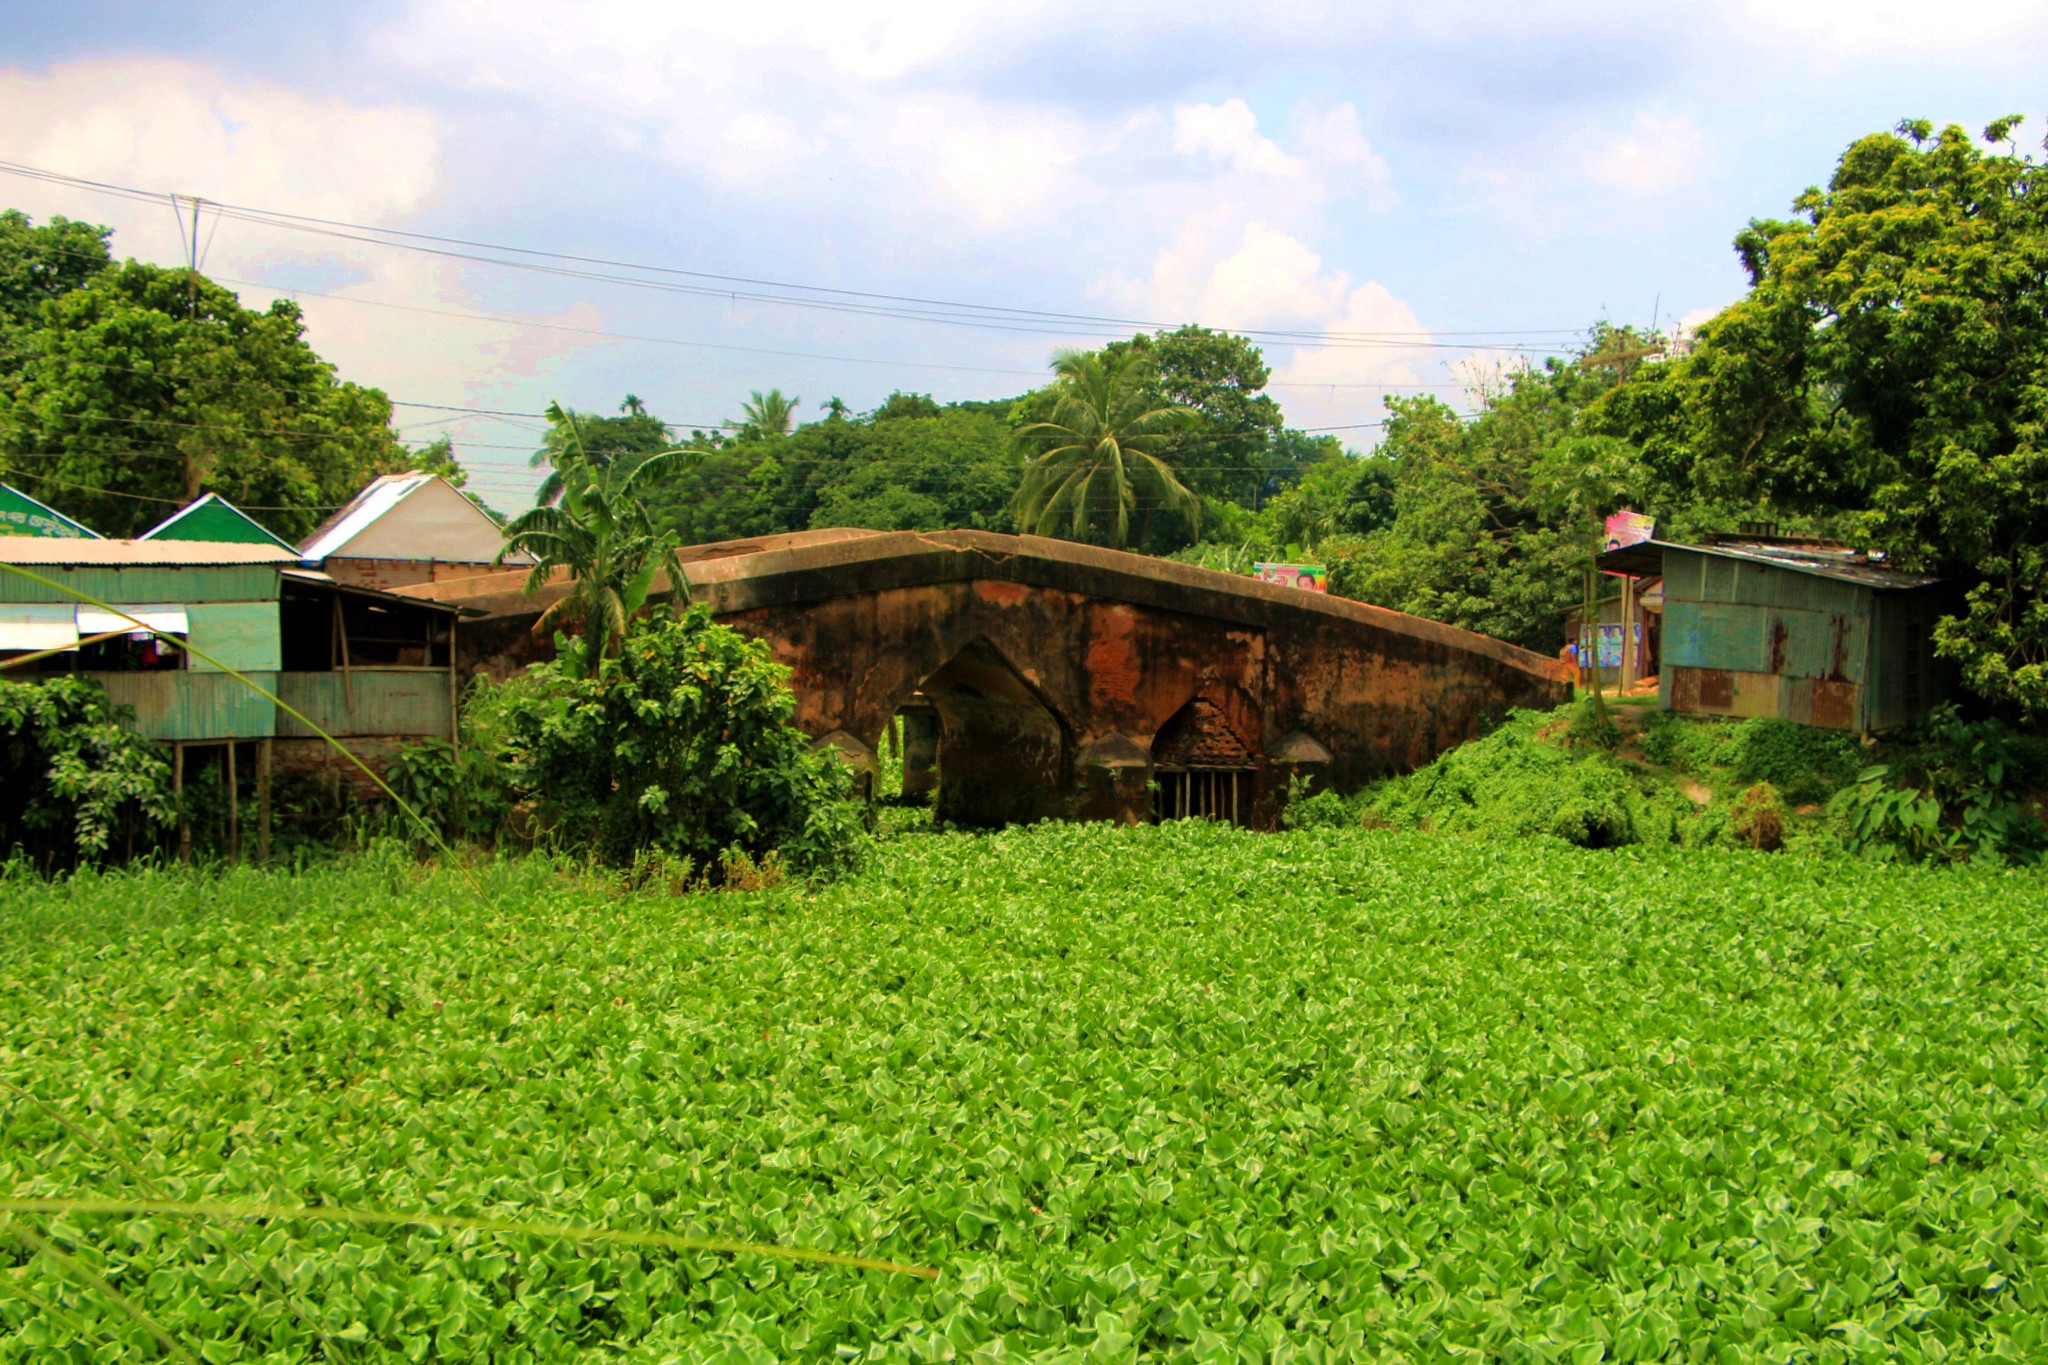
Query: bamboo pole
point(178, 790)
point(234, 809)
point(263, 799)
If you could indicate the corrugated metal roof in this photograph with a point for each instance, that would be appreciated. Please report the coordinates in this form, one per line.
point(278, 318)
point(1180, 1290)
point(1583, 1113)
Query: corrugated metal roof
point(194, 553)
point(1844, 565)
point(316, 578)
point(379, 496)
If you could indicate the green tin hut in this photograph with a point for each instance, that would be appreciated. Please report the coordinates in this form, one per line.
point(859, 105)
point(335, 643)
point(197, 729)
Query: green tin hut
point(367, 667)
point(1802, 631)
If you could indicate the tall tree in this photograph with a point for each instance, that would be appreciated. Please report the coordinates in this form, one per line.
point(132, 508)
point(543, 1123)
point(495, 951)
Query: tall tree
point(1888, 369)
point(1101, 454)
point(601, 535)
point(766, 416)
point(144, 387)
point(1223, 377)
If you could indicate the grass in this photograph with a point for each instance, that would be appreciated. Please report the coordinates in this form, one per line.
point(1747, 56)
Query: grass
point(1175, 1094)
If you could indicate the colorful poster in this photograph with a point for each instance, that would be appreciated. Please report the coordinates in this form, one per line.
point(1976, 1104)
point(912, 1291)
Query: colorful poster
point(1313, 577)
point(1629, 528)
point(1609, 641)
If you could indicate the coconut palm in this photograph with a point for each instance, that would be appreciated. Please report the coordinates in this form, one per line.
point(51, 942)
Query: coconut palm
point(767, 415)
point(600, 532)
point(1102, 450)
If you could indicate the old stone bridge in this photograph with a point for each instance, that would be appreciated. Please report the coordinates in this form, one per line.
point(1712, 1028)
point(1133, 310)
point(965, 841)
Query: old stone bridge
point(1042, 678)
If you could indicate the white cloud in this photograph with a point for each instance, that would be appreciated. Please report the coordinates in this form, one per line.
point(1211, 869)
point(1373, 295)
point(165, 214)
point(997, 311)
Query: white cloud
point(1334, 140)
point(1849, 32)
point(1656, 154)
point(165, 124)
point(1229, 132)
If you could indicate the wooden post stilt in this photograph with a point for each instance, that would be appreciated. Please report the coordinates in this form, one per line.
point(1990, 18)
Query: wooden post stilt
point(234, 808)
point(263, 800)
point(178, 791)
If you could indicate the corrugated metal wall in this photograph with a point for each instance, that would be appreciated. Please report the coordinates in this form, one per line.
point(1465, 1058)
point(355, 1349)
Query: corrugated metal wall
point(388, 701)
point(175, 704)
point(241, 635)
point(183, 584)
point(1746, 639)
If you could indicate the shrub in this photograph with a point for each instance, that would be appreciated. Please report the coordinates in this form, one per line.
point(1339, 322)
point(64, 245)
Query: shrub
point(1803, 762)
point(81, 787)
point(682, 744)
point(1691, 744)
point(1758, 819)
point(1959, 797)
point(1512, 782)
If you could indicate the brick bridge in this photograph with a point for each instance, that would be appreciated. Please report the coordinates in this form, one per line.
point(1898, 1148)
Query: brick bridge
point(1043, 678)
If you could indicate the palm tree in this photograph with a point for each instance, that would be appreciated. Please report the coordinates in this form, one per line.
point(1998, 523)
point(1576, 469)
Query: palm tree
point(1103, 447)
point(601, 533)
point(768, 415)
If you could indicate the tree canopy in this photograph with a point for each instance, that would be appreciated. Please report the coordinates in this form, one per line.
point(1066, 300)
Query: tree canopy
point(140, 388)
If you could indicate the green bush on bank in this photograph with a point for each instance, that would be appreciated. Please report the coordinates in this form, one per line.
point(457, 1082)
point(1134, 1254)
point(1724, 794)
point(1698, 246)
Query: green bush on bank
point(80, 787)
point(680, 748)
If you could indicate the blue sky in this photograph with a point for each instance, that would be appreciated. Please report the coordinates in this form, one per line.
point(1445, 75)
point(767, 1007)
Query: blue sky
point(1446, 185)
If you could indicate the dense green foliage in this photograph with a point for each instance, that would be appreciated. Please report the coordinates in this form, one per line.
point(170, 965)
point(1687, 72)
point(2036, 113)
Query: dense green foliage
point(144, 387)
point(1888, 372)
point(678, 745)
point(1959, 790)
point(38, 264)
point(1100, 467)
point(80, 787)
point(1180, 1093)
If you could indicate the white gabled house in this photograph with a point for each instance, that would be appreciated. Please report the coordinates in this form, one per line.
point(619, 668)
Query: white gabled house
point(405, 529)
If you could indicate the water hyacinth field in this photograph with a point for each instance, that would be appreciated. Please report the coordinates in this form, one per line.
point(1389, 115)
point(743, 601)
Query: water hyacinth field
point(1169, 1094)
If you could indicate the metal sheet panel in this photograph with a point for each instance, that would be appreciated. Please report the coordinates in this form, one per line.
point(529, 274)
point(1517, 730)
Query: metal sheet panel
point(1726, 692)
point(175, 704)
point(163, 618)
point(387, 701)
point(30, 626)
point(242, 635)
point(1827, 702)
point(145, 583)
point(1716, 635)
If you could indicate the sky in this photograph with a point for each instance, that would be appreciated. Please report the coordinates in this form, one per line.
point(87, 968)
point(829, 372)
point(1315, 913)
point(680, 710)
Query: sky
point(1391, 198)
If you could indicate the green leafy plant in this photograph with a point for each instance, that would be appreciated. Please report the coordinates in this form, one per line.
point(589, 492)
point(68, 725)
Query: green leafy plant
point(680, 743)
point(1180, 1090)
point(600, 536)
point(1961, 795)
point(83, 787)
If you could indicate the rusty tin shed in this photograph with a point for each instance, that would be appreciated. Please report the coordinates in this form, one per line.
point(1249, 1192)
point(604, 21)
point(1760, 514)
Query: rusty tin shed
point(1808, 632)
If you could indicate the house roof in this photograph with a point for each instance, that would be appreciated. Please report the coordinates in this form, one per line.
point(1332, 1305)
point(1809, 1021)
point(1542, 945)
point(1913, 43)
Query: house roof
point(23, 515)
point(1822, 561)
point(315, 579)
point(192, 553)
point(379, 496)
point(440, 524)
point(214, 518)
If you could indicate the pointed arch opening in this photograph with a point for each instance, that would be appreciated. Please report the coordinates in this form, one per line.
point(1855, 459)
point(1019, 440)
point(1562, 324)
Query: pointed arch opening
point(1002, 754)
point(1202, 767)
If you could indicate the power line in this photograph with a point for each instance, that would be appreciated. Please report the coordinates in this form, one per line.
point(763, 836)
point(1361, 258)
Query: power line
point(904, 307)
